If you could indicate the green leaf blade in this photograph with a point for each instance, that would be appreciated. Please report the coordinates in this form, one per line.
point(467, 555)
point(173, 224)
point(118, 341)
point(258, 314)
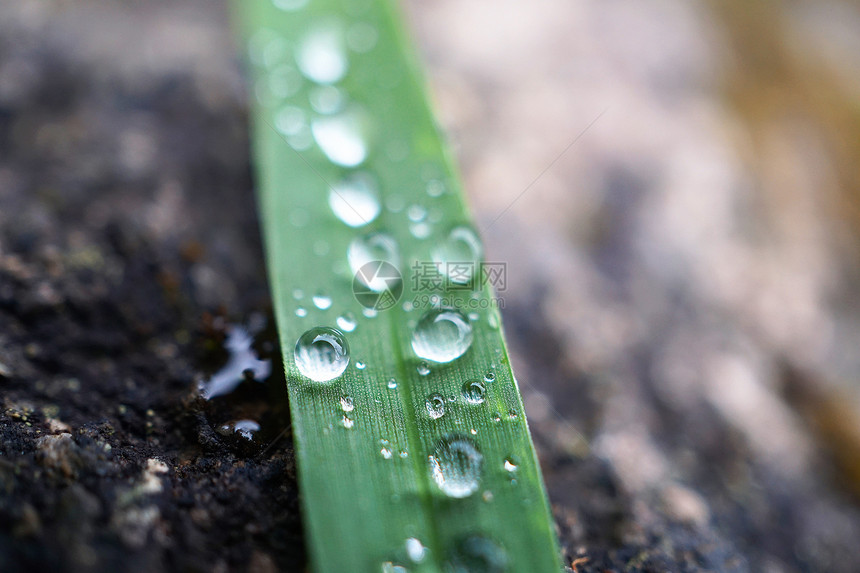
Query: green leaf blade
point(368, 490)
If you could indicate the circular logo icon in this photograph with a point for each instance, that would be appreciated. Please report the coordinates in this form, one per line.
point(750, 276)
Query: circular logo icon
point(377, 285)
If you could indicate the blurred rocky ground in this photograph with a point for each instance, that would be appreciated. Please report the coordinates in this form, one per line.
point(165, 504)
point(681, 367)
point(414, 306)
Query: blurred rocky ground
point(679, 191)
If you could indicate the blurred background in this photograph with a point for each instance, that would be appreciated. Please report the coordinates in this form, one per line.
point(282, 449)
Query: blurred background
point(679, 190)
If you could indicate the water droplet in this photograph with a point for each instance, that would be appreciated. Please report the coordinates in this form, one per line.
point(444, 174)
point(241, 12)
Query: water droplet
point(301, 312)
point(416, 213)
point(497, 417)
point(442, 335)
point(415, 550)
point(361, 37)
point(290, 120)
point(487, 496)
point(244, 428)
point(321, 56)
point(341, 137)
point(408, 306)
point(326, 99)
point(473, 431)
point(369, 312)
point(493, 320)
point(474, 316)
point(489, 377)
point(423, 368)
point(455, 466)
point(322, 353)
point(459, 255)
point(420, 230)
point(404, 454)
point(435, 188)
point(512, 415)
point(389, 567)
point(386, 453)
point(298, 294)
point(435, 405)
point(347, 422)
point(368, 249)
point(347, 404)
point(346, 322)
point(473, 392)
point(392, 384)
point(290, 5)
point(355, 200)
point(321, 301)
point(360, 365)
point(477, 554)
point(510, 465)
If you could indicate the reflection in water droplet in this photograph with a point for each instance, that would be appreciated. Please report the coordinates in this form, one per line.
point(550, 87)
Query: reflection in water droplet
point(322, 353)
point(386, 453)
point(473, 392)
point(321, 301)
point(455, 466)
point(242, 360)
point(361, 37)
point(347, 404)
point(510, 465)
point(442, 335)
point(477, 554)
point(497, 417)
point(367, 249)
point(346, 322)
point(415, 550)
point(347, 422)
point(487, 496)
point(326, 99)
point(341, 137)
point(423, 368)
point(392, 384)
point(355, 200)
point(301, 311)
point(321, 56)
point(435, 405)
point(459, 255)
point(389, 567)
point(360, 365)
point(512, 415)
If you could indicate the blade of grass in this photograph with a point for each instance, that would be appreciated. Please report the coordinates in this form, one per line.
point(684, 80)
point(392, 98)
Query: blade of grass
point(366, 442)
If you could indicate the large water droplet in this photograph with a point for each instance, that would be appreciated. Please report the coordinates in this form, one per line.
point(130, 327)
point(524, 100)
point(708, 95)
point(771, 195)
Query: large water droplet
point(346, 322)
point(355, 200)
point(322, 353)
point(459, 255)
point(477, 554)
point(435, 405)
point(367, 249)
point(442, 335)
point(473, 392)
point(455, 466)
point(321, 56)
point(341, 137)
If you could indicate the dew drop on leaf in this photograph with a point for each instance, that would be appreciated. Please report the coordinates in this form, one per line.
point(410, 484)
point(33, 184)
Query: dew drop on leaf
point(346, 322)
point(442, 335)
point(341, 137)
point(473, 392)
point(459, 255)
point(355, 200)
point(321, 56)
point(435, 405)
point(455, 466)
point(322, 353)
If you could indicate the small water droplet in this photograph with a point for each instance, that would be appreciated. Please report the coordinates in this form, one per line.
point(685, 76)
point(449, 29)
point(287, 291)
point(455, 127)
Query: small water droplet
point(347, 422)
point(473, 431)
point(355, 200)
point(298, 294)
point(404, 454)
point(487, 496)
point(512, 415)
point(416, 213)
point(386, 453)
point(371, 248)
point(473, 392)
point(423, 368)
point(474, 316)
point(301, 311)
point(510, 465)
point(420, 230)
point(415, 550)
point(459, 255)
point(341, 137)
point(361, 37)
point(321, 56)
point(442, 335)
point(322, 353)
point(392, 384)
point(369, 312)
point(497, 417)
point(489, 377)
point(322, 301)
point(290, 120)
point(435, 188)
point(347, 404)
point(455, 466)
point(326, 99)
point(360, 365)
point(243, 428)
point(477, 554)
point(435, 405)
point(285, 81)
point(346, 322)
